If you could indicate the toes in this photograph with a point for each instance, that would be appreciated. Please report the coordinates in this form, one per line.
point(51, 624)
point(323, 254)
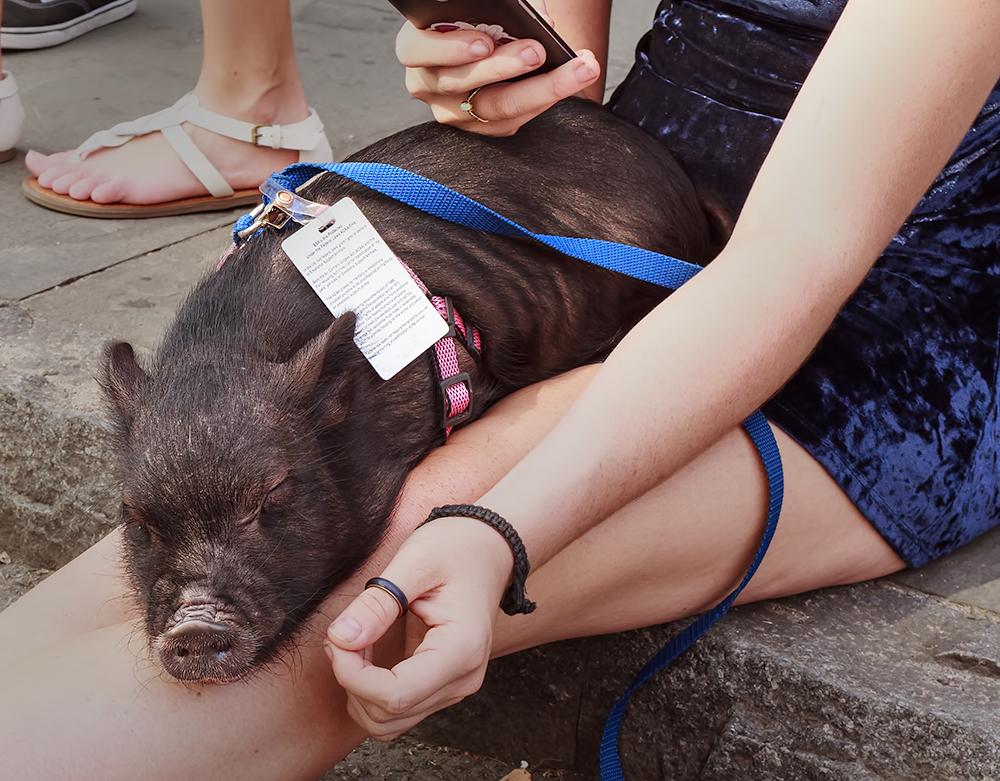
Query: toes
point(61, 184)
point(38, 163)
point(49, 175)
point(108, 192)
point(82, 188)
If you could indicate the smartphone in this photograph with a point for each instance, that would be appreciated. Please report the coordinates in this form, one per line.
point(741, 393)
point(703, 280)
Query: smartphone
point(504, 20)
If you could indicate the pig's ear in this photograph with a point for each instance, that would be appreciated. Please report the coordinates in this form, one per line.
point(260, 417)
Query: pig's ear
point(124, 382)
point(322, 371)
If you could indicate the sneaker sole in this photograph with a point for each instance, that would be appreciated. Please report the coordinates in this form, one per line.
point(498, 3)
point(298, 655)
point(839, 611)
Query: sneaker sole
point(55, 34)
point(7, 154)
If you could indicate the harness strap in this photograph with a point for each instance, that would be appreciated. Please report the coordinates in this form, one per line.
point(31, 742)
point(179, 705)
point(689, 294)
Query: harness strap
point(456, 385)
point(440, 201)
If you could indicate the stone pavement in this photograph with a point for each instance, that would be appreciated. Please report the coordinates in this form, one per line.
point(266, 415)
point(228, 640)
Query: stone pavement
point(898, 679)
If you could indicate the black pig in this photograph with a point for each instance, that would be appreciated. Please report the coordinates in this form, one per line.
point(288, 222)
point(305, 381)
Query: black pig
point(262, 456)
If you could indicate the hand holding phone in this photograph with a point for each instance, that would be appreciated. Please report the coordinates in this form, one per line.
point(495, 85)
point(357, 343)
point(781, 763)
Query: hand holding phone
point(484, 76)
point(505, 21)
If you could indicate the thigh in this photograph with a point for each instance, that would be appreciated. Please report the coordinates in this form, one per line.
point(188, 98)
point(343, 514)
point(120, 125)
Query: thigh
point(686, 544)
point(86, 594)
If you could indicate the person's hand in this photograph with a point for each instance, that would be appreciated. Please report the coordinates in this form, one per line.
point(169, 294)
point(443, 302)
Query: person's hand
point(444, 68)
point(453, 571)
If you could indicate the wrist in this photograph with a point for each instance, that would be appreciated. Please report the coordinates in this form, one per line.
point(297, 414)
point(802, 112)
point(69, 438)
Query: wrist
point(514, 600)
point(483, 548)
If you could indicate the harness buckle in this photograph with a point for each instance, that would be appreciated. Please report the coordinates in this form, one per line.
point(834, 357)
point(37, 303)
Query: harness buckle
point(450, 319)
point(449, 420)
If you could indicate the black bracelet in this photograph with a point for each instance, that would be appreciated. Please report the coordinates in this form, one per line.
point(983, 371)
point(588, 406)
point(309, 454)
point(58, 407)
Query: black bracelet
point(515, 601)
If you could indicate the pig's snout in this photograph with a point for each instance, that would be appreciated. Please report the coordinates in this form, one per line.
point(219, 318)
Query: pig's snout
point(194, 650)
point(205, 642)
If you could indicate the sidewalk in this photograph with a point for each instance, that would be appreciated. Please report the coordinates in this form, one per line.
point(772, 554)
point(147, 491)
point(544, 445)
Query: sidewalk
point(898, 679)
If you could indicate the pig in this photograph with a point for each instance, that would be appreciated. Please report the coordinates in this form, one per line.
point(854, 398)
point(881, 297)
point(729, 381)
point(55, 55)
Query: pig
point(262, 456)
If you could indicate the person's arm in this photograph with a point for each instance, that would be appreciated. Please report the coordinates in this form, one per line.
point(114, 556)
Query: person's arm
point(890, 97)
point(892, 94)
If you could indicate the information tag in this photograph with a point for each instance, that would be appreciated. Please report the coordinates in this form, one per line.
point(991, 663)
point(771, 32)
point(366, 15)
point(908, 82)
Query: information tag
point(352, 269)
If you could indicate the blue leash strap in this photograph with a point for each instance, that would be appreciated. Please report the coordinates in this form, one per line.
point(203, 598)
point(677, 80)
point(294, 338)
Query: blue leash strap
point(443, 202)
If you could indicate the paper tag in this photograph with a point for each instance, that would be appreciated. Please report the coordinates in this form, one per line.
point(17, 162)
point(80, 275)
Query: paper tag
point(351, 268)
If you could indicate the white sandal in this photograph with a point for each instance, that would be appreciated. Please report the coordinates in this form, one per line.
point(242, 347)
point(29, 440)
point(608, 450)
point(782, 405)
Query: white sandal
point(11, 116)
point(306, 137)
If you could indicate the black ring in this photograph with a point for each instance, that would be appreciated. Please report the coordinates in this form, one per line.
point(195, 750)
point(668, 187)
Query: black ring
point(392, 590)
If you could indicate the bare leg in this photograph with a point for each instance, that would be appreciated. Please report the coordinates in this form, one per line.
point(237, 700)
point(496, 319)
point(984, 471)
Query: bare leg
point(89, 690)
point(248, 72)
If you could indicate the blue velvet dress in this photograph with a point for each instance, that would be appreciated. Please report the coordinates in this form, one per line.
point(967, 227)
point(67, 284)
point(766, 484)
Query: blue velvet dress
point(899, 401)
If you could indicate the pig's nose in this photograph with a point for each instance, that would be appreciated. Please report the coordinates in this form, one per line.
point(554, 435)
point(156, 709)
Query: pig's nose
point(197, 650)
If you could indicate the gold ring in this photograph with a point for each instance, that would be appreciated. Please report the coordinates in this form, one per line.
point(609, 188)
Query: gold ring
point(468, 108)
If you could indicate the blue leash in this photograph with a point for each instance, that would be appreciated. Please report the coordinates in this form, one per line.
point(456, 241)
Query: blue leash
point(443, 202)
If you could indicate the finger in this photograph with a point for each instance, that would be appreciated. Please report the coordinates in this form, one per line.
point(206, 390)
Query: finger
point(507, 62)
point(534, 95)
point(542, 8)
point(447, 654)
point(431, 49)
point(373, 611)
point(390, 730)
point(377, 719)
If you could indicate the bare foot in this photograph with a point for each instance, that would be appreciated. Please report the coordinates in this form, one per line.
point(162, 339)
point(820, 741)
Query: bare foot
point(146, 170)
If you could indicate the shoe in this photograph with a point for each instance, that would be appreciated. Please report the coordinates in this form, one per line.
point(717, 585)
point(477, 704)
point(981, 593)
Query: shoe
point(11, 116)
point(307, 137)
point(36, 24)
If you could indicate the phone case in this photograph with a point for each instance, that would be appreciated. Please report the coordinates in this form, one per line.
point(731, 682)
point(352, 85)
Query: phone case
point(504, 20)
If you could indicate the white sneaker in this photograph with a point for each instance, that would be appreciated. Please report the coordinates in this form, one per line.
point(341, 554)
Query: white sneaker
point(11, 116)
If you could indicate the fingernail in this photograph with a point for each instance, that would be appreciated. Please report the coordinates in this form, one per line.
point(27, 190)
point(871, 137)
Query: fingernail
point(345, 629)
point(329, 652)
point(529, 56)
point(584, 71)
point(479, 48)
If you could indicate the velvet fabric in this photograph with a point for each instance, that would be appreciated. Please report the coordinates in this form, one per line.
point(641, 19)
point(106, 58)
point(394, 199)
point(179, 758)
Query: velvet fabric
point(899, 400)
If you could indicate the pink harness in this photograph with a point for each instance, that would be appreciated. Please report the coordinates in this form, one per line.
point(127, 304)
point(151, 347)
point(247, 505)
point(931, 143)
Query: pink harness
point(455, 385)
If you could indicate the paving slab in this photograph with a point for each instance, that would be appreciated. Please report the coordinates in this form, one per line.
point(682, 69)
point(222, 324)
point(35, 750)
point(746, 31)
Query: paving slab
point(70, 92)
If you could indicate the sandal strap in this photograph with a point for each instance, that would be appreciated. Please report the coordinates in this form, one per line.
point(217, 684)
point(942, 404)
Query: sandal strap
point(302, 136)
point(306, 137)
point(189, 153)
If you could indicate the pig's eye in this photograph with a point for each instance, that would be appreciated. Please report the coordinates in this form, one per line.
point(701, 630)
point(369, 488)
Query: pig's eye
point(277, 496)
point(137, 533)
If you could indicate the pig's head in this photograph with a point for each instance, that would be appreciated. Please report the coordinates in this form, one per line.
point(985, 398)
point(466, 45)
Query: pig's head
point(236, 522)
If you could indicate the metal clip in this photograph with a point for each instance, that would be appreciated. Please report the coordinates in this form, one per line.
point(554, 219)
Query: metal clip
point(272, 215)
point(284, 206)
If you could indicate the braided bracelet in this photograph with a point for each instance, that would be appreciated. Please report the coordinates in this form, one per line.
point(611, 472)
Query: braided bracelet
point(515, 601)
